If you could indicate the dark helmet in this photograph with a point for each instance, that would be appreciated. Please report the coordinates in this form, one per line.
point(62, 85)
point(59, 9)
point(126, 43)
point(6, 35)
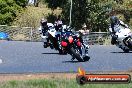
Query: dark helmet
point(114, 19)
point(43, 22)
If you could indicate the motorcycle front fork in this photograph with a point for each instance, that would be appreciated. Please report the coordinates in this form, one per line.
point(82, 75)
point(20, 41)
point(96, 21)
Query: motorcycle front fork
point(82, 50)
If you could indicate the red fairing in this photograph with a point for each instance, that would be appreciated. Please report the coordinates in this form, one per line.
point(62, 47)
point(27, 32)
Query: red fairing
point(64, 44)
point(79, 43)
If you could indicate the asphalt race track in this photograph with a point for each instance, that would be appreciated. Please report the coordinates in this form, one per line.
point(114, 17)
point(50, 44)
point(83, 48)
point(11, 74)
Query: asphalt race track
point(26, 57)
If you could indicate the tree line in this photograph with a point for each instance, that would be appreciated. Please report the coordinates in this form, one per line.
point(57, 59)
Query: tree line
point(9, 9)
point(94, 13)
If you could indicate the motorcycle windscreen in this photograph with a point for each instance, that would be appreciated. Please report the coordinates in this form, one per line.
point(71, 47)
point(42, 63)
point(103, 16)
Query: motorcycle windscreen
point(66, 34)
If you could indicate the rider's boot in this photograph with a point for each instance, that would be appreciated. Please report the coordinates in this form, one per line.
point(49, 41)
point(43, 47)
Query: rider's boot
point(114, 38)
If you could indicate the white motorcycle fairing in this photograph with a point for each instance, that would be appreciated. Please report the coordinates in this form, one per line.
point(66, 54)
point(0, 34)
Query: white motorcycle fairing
point(122, 33)
point(51, 31)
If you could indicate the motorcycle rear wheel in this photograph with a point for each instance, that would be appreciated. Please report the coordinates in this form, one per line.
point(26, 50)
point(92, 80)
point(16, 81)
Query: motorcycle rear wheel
point(130, 43)
point(62, 52)
point(126, 50)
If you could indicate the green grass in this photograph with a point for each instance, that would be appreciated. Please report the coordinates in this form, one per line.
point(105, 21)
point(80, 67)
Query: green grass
point(58, 83)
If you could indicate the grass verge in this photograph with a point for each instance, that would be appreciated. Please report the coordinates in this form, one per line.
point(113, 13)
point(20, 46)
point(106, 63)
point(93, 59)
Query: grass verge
point(57, 83)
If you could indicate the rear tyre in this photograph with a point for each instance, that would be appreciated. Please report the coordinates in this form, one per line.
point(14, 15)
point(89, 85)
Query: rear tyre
point(126, 50)
point(130, 43)
point(74, 54)
point(62, 52)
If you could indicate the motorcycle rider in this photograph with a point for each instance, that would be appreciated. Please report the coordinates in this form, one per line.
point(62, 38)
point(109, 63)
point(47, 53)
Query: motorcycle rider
point(43, 29)
point(115, 22)
point(58, 26)
point(86, 46)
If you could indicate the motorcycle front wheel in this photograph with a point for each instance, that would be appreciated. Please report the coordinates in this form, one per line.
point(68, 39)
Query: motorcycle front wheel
point(74, 54)
point(86, 58)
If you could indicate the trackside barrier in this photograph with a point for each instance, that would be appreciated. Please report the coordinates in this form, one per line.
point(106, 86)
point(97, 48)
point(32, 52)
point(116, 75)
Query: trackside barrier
point(30, 34)
point(96, 38)
point(21, 33)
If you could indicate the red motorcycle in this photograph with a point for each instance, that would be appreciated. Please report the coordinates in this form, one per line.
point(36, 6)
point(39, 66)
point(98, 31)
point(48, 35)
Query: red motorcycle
point(72, 45)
